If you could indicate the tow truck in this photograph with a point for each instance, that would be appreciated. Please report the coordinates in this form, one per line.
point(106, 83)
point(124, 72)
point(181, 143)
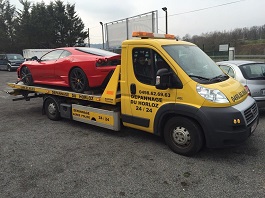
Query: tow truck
point(184, 97)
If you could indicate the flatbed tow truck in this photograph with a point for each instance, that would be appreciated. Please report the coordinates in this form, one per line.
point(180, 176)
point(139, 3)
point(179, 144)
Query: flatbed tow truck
point(184, 97)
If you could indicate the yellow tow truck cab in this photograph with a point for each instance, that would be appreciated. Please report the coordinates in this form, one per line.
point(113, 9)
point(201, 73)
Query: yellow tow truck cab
point(166, 87)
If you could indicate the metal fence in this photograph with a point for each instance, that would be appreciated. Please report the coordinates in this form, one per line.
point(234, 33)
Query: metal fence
point(258, 58)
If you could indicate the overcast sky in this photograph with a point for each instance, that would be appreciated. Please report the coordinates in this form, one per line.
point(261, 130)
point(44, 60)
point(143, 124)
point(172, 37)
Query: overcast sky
point(192, 17)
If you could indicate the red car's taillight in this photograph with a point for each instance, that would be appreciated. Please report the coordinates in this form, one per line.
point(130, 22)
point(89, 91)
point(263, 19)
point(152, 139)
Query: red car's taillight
point(246, 87)
point(101, 62)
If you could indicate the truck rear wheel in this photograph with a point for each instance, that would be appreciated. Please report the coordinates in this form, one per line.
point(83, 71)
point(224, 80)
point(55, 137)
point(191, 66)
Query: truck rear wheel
point(51, 108)
point(183, 136)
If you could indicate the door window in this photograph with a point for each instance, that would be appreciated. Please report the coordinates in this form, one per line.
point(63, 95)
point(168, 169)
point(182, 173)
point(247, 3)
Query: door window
point(2, 57)
point(146, 63)
point(65, 54)
point(228, 70)
point(53, 55)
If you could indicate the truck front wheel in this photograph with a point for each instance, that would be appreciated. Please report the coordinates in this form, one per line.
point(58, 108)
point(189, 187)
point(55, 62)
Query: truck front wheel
point(183, 136)
point(51, 108)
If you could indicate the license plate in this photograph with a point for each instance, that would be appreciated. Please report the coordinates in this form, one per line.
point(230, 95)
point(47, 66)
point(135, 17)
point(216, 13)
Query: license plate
point(253, 127)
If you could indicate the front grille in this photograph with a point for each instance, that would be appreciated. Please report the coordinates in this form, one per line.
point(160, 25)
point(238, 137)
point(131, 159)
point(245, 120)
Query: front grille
point(251, 113)
point(16, 64)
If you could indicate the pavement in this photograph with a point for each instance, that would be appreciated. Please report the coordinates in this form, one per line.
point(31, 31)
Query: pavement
point(44, 158)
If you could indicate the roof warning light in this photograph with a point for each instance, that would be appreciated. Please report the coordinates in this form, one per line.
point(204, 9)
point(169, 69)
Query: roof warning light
point(153, 35)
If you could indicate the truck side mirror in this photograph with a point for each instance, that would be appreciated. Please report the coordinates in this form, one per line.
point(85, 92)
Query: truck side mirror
point(35, 58)
point(166, 79)
point(162, 78)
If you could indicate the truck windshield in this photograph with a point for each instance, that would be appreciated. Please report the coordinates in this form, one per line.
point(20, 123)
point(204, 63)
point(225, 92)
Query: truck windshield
point(195, 63)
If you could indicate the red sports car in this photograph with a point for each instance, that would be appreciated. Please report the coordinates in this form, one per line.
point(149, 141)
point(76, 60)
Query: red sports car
point(80, 68)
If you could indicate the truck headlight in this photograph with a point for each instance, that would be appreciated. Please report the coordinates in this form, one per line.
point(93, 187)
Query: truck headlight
point(213, 95)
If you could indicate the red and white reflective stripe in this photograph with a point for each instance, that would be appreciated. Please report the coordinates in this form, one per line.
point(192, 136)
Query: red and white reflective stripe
point(153, 35)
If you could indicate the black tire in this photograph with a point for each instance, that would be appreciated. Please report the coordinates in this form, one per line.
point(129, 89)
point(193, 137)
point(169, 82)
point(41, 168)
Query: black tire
point(51, 108)
point(183, 136)
point(78, 80)
point(26, 76)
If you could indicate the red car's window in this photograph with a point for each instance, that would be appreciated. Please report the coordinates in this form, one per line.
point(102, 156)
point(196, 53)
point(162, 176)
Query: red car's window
point(53, 55)
point(95, 51)
point(65, 54)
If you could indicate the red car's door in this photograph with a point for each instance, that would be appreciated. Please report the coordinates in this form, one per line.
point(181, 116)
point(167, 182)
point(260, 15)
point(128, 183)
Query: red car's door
point(43, 70)
point(62, 67)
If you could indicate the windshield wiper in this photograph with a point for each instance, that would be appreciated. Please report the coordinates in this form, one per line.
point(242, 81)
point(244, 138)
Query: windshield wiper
point(199, 77)
point(219, 78)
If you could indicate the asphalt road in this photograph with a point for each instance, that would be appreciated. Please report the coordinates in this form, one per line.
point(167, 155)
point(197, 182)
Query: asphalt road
point(44, 158)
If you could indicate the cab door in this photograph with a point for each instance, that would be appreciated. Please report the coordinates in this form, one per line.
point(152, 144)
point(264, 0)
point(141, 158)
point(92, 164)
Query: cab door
point(143, 99)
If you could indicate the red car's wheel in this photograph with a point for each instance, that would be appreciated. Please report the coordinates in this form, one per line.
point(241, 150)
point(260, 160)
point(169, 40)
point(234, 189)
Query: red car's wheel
point(26, 76)
point(78, 80)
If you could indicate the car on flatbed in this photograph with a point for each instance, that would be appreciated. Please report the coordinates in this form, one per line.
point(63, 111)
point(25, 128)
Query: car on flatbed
point(80, 68)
